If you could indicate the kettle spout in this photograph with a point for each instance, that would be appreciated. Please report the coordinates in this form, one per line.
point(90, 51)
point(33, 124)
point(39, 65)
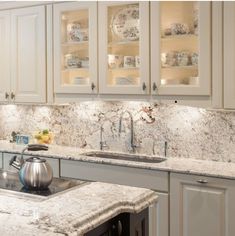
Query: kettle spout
point(15, 163)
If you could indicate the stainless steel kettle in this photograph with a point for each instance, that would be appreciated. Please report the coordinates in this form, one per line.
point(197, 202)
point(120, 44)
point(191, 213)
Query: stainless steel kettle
point(34, 172)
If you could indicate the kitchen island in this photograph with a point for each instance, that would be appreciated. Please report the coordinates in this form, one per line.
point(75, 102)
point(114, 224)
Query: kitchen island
point(73, 212)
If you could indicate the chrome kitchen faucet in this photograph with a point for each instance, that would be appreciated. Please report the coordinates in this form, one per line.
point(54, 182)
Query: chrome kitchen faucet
point(102, 143)
point(133, 146)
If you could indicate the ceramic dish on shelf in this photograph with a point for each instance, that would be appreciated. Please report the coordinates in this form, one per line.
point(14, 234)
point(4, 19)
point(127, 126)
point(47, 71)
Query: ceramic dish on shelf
point(124, 81)
point(80, 80)
point(125, 23)
point(194, 58)
point(85, 62)
point(72, 61)
point(75, 33)
point(182, 58)
point(179, 28)
point(115, 61)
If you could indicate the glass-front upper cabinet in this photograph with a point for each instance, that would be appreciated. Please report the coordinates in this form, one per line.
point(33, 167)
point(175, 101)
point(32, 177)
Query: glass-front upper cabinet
point(123, 47)
point(75, 47)
point(180, 48)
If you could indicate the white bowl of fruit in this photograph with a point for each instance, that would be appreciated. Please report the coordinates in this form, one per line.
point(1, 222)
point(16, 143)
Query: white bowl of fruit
point(44, 136)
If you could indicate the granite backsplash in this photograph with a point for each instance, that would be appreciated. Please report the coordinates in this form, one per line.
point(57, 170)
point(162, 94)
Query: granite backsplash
point(190, 132)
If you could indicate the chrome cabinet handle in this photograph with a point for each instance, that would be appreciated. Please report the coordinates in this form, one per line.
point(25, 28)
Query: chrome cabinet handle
point(202, 181)
point(12, 96)
point(6, 95)
point(144, 86)
point(92, 86)
point(154, 86)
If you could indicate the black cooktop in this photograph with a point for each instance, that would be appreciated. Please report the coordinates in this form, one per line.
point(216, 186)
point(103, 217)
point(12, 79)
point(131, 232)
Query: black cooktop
point(10, 181)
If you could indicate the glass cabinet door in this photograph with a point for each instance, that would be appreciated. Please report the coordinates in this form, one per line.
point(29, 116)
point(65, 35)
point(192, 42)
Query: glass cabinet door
point(180, 55)
point(75, 47)
point(124, 47)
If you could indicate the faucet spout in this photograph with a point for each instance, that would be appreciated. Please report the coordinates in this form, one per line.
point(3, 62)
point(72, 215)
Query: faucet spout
point(133, 146)
point(102, 142)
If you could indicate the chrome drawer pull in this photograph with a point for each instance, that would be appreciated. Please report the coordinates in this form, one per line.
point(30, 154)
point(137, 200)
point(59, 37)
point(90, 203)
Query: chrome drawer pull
point(202, 181)
point(92, 86)
point(144, 86)
point(154, 86)
point(6, 95)
point(12, 96)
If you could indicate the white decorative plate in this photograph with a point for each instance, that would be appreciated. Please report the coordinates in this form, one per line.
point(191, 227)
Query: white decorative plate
point(125, 23)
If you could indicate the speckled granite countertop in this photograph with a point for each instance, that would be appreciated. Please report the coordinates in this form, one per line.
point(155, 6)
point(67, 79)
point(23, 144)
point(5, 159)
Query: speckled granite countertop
point(74, 212)
point(180, 165)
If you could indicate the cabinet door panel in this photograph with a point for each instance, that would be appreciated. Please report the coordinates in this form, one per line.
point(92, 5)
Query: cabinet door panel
point(229, 55)
point(180, 58)
point(201, 208)
point(28, 54)
point(204, 208)
point(75, 47)
point(5, 53)
point(124, 58)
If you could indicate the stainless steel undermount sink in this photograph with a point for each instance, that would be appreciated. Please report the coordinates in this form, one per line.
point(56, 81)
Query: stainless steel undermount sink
point(125, 157)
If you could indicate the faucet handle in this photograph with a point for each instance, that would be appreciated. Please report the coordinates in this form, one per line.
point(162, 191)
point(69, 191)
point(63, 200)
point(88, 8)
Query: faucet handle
point(103, 145)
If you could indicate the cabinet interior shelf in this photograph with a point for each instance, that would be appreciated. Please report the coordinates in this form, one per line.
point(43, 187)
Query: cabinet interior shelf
point(190, 67)
point(75, 69)
point(123, 43)
point(179, 36)
point(124, 68)
point(68, 44)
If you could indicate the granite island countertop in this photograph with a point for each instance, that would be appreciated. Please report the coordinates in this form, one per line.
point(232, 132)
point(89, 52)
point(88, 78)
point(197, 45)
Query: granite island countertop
point(73, 212)
point(177, 165)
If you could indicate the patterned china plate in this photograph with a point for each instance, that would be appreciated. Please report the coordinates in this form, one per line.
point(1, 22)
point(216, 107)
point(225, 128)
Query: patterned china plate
point(125, 23)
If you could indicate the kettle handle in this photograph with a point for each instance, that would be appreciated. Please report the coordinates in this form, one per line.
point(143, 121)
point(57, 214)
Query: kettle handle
point(13, 159)
point(37, 147)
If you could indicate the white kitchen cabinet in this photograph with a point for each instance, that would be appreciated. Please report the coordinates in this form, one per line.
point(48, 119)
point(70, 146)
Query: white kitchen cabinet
point(229, 55)
point(5, 58)
point(123, 47)
point(75, 47)
point(23, 66)
point(155, 180)
point(201, 206)
point(28, 55)
point(54, 163)
point(180, 48)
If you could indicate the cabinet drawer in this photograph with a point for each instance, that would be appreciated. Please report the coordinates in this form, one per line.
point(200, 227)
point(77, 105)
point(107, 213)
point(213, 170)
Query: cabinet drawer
point(54, 163)
point(156, 180)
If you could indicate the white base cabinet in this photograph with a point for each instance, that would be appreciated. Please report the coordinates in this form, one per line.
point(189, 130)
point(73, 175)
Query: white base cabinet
point(201, 206)
point(155, 180)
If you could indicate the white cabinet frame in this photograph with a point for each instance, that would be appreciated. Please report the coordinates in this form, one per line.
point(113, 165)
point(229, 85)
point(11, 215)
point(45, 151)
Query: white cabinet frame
point(5, 76)
point(73, 6)
point(204, 87)
point(28, 55)
point(143, 50)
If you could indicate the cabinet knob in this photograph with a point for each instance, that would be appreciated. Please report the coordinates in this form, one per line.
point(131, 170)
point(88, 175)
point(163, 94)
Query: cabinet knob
point(202, 181)
point(12, 96)
point(6, 95)
point(144, 86)
point(154, 86)
point(92, 86)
